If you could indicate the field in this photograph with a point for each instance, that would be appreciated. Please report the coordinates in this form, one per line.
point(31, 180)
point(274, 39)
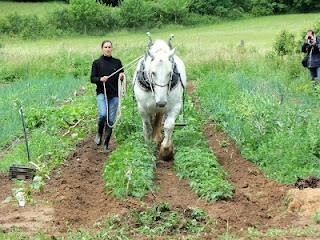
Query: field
point(243, 101)
point(28, 8)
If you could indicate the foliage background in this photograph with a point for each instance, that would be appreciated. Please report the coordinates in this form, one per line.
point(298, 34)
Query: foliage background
point(247, 72)
point(78, 17)
point(224, 67)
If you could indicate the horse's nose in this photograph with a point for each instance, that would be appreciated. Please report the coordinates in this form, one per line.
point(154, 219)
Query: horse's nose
point(161, 104)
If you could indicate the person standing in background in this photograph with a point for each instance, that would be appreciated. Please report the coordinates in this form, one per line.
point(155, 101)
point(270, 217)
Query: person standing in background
point(311, 46)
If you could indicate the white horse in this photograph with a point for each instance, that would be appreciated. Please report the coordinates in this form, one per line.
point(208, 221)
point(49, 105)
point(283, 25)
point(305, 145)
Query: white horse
point(158, 84)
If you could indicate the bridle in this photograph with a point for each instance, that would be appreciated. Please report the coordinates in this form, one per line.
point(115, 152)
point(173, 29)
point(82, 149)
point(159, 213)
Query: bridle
point(154, 83)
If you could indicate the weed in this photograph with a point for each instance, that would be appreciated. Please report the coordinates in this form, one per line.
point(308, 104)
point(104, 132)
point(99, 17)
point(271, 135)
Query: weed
point(316, 217)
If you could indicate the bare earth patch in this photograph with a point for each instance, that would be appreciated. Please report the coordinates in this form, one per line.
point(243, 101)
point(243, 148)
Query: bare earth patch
point(75, 198)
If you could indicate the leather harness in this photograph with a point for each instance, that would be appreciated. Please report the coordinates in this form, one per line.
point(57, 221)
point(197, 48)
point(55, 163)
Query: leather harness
point(144, 82)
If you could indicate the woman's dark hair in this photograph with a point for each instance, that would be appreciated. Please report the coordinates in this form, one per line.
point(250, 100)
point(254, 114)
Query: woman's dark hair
point(105, 42)
point(307, 31)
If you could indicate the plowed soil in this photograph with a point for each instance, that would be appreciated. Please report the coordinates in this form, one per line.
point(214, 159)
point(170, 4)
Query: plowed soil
point(74, 197)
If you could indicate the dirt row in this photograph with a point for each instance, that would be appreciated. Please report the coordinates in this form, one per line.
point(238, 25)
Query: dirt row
point(74, 197)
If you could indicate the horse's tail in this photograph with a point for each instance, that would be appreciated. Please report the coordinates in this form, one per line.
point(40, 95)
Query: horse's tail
point(156, 134)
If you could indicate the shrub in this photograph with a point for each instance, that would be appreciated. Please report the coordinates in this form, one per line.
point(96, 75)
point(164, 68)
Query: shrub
point(138, 13)
point(31, 27)
point(14, 21)
point(285, 43)
point(59, 19)
point(4, 26)
point(86, 14)
point(197, 19)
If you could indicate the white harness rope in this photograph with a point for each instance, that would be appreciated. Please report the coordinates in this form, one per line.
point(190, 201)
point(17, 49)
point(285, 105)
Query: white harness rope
point(122, 84)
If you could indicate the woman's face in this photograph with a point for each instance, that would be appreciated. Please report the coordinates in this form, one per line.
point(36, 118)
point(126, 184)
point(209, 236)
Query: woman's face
point(107, 49)
point(309, 33)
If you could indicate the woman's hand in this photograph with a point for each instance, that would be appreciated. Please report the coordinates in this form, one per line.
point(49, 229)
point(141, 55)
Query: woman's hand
point(104, 79)
point(121, 76)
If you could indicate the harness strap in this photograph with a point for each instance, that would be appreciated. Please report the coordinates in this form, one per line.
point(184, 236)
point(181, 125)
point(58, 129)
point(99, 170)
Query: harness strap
point(144, 82)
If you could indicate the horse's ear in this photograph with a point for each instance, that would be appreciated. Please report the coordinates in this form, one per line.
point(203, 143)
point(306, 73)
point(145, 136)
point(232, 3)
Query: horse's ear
point(151, 54)
point(171, 53)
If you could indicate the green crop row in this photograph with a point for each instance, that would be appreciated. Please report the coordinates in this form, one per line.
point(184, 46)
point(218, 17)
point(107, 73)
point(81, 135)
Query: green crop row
point(129, 170)
point(270, 113)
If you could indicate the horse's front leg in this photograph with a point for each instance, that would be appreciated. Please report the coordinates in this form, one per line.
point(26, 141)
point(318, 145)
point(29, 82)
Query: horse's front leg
point(166, 149)
point(147, 129)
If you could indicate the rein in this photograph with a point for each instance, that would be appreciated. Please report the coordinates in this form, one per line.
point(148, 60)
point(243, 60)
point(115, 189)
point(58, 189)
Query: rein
point(121, 91)
point(146, 82)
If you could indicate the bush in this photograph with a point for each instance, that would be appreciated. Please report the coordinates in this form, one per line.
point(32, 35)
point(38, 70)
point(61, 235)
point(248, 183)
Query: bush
point(15, 23)
point(261, 8)
point(4, 26)
point(285, 43)
point(235, 13)
point(197, 19)
point(60, 19)
point(86, 14)
point(138, 13)
point(25, 26)
point(32, 27)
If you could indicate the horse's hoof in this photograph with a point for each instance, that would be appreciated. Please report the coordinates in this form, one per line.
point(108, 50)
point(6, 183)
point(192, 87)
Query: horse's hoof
point(166, 153)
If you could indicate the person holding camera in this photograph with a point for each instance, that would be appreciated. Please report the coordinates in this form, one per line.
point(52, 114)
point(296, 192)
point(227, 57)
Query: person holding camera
point(311, 46)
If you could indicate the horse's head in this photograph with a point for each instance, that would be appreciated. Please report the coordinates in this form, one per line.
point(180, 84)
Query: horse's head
point(159, 67)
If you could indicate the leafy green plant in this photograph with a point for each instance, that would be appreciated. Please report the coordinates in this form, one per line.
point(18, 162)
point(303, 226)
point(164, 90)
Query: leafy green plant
point(46, 150)
point(194, 160)
point(27, 189)
point(316, 217)
point(158, 220)
point(285, 43)
point(264, 117)
point(39, 99)
point(129, 171)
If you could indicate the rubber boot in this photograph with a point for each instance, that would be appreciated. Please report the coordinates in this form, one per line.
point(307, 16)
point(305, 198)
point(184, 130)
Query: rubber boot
point(107, 138)
point(98, 137)
point(314, 83)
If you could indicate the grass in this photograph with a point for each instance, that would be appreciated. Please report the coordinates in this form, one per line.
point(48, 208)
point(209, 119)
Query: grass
point(31, 93)
point(38, 8)
point(51, 134)
point(264, 115)
point(212, 56)
point(257, 32)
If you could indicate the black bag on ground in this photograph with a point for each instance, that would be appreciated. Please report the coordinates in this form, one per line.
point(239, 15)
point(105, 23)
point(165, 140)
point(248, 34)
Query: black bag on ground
point(304, 61)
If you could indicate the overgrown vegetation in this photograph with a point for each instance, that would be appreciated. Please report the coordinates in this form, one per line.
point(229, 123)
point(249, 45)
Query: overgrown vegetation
point(272, 119)
point(157, 221)
point(129, 170)
point(261, 98)
point(54, 130)
point(81, 17)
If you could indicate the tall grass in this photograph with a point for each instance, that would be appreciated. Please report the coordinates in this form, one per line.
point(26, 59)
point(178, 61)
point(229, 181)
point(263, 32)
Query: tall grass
point(265, 106)
point(33, 95)
point(210, 49)
point(40, 8)
point(54, 134)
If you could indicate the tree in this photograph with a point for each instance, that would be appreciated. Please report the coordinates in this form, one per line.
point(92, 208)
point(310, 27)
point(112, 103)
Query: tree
point(138, 13)
point(85, 12)
point(113, 3)
point(285, 43)
point(175, 8)
point(306, 5)
point(211, 7)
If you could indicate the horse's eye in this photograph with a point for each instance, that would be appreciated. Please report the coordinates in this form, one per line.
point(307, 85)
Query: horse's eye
point(154, 73)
